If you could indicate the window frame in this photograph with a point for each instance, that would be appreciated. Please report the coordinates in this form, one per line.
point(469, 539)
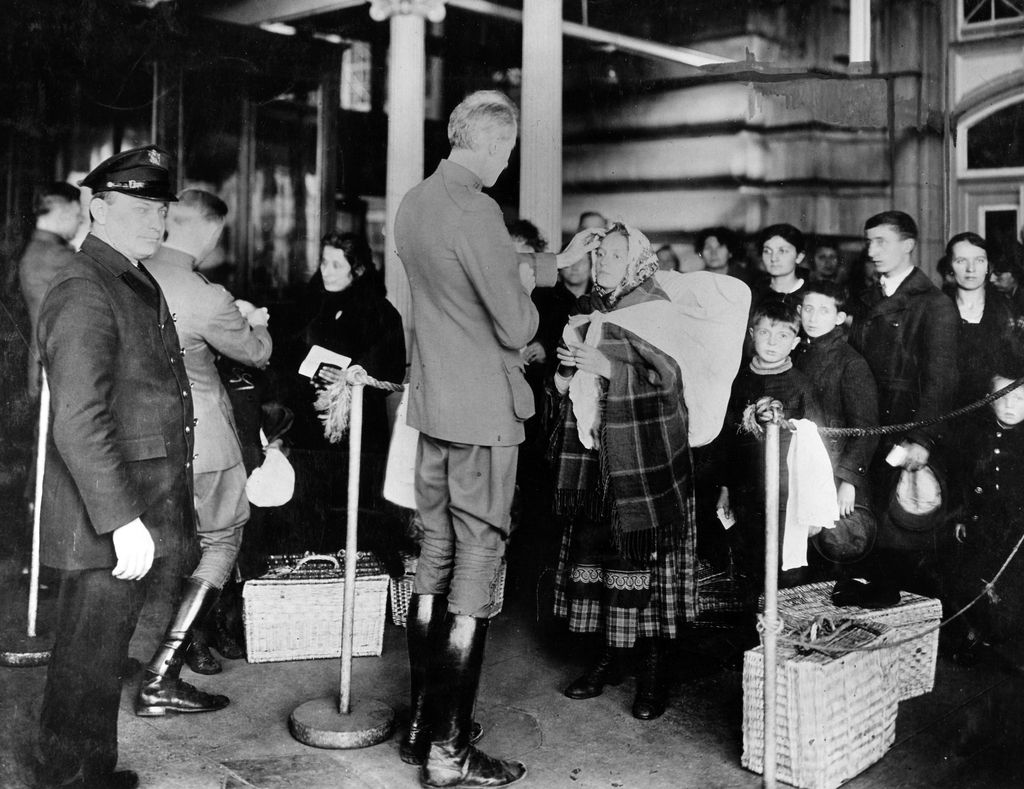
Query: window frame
point(989, 25)
point(964, 129)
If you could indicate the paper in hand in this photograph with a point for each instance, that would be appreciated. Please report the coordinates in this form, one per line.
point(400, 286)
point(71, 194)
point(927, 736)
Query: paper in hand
point(317, 356)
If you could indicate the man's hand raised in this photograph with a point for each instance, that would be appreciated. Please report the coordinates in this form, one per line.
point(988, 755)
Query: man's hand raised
point(134, 547)
point(583, 243)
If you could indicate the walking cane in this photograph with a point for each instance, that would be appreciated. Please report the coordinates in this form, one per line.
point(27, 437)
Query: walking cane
point(34, 656)
point(336, 721)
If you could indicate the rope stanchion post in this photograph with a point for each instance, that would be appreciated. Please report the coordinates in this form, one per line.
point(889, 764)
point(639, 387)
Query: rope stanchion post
point(771, 598)
point(37, 506)
point(355, 443)
point(336, 721)
point(31, 653)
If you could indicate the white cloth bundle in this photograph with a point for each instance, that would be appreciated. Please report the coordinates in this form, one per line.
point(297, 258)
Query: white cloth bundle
point(273, 483)
point(812, 492)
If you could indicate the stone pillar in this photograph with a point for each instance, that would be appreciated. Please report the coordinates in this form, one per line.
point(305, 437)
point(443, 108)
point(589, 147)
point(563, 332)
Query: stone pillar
point(406, 74)
point(860, 34)
point(912, 31)
point(540, 182)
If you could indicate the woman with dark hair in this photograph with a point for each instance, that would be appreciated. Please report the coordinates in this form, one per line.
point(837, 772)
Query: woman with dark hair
point(782, 253)
point(989, 327)
point(343, 310)
point(721, 251)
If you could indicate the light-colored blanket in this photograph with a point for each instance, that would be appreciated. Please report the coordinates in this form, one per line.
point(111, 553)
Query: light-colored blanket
point(701, 328)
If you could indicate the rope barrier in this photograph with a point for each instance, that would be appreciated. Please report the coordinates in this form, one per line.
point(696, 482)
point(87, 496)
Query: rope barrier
point(763, 411)
point(334, 402)
point(768, 410)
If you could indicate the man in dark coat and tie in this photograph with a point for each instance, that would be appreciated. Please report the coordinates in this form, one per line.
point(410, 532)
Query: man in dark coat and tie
point(906, 330)
point(118, 478)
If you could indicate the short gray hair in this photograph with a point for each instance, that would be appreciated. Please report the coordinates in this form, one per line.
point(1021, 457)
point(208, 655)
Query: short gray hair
point(479, 113)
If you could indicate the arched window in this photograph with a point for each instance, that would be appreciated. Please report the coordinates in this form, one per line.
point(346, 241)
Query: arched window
point(994, 141)
point(991, 12)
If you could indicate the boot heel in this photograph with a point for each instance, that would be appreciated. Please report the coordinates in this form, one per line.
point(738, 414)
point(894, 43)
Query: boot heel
point(150, 712)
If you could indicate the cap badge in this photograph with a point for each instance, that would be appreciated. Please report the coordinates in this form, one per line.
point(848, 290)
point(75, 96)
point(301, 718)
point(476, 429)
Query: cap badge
point(154, 158)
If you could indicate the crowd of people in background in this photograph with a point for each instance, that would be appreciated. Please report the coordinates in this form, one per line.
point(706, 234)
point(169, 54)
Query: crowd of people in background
point(849, 340)
point(630, 376)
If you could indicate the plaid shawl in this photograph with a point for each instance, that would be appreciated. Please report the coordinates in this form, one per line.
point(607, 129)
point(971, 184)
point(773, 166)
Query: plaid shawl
point(640, 474)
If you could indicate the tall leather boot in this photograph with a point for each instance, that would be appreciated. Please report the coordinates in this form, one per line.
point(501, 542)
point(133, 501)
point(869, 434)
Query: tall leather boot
point(425, 623)
point(161, 690)
point(424, 619)
point(452, 682)
point(608, 670)
point(651, 684)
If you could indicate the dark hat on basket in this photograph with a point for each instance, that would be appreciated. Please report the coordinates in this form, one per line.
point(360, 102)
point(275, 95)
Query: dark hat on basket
point(140, 172)
point(918, 501)
point(852, 538)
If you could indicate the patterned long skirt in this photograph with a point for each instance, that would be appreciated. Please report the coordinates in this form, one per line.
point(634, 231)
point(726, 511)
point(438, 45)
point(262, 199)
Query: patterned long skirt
point(599, 590)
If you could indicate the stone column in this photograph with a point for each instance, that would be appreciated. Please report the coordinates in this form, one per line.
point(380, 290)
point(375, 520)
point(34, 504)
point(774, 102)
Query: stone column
point(540, 183)
point(406, 74)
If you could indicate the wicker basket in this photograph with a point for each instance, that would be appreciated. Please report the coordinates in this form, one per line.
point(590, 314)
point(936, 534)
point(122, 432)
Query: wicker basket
point(835, 715)
point(916, 659)
point(720, 596)
point(295, 611)
point(401, 591)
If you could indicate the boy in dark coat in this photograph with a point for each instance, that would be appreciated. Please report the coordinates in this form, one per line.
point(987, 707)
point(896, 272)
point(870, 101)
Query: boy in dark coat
point(775, 330)
point(988, 518)
point(848, 395)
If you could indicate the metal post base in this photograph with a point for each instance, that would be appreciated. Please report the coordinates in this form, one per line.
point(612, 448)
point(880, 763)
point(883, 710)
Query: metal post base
point(25, 651)
point(319, 723)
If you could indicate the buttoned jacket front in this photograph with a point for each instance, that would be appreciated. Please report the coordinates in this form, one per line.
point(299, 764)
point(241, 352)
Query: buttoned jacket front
point(909, 341)
point(208, 323)
point(471, 315)
point(120, 437)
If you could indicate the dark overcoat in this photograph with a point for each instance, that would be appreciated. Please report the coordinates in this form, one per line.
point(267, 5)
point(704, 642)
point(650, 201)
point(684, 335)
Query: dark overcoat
point(120, 441)
point(848, 397)
point(909, 341)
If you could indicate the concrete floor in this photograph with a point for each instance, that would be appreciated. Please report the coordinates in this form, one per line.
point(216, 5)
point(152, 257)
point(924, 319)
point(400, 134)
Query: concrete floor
point(966, 733)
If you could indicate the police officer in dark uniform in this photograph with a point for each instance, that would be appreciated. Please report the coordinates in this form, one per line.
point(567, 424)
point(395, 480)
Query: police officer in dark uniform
point(118, 477)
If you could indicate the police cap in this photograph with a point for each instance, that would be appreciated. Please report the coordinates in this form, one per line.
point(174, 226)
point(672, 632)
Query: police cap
point(140, 172)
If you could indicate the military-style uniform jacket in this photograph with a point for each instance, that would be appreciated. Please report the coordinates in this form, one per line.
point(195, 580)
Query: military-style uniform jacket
point(470, 312)
point(208, 323)
point(121, 423)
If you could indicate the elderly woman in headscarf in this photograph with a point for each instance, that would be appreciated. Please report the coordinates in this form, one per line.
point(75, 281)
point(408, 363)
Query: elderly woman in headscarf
point(645, 370)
